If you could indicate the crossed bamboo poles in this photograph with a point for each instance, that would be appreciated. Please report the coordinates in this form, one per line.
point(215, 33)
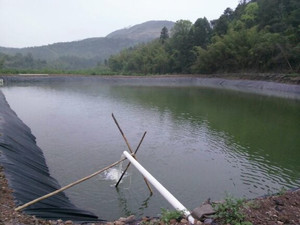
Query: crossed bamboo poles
point(95, 173)
point(134, 154)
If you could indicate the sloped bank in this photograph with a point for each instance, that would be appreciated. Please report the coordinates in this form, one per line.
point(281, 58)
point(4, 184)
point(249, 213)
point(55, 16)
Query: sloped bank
point(242, 84)
point(27, 173)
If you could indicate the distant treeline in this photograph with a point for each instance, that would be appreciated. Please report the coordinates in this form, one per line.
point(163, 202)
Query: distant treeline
point(20, 63)
point(70, 56)
point(258, 36)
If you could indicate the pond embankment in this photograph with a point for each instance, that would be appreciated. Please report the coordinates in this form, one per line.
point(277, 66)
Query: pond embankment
point(271, 85)
point(27, 173)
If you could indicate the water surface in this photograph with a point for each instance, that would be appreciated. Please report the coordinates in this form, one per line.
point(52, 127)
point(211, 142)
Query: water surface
point(200, 142)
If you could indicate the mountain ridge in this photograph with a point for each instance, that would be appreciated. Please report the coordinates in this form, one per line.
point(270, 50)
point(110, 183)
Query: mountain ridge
point(89, 52)
point(142, 31)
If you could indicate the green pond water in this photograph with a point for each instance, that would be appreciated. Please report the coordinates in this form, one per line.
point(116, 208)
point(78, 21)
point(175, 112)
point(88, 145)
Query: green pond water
point(200, 142)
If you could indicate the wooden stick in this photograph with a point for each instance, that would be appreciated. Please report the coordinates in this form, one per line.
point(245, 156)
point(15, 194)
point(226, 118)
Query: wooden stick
point(130, 162)
point(127, 143)
point(148, 185)
point(123, 135)
point(67, 186)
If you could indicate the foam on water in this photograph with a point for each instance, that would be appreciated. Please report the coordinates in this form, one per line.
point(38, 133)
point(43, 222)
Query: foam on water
point(113, 174)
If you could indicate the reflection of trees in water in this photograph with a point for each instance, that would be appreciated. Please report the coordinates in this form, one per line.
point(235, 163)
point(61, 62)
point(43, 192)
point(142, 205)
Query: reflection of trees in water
point(126, 207)
point(267, 128)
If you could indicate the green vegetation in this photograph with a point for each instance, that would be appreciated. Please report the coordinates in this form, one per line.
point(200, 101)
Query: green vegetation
point(19, 64)
point(88, 54)
point(75, 55)
point(230, 212)
point(258, 36)
point(282, 191)
point(167, 215)
point(93, 71)
point(253, 204)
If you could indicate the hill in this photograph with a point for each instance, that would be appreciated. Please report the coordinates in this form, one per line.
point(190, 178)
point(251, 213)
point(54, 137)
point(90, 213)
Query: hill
point(81, 54)
point(142, 32)
point(69, 55)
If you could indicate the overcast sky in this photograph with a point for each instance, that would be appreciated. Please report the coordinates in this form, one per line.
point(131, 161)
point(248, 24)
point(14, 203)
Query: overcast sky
point(26, 23)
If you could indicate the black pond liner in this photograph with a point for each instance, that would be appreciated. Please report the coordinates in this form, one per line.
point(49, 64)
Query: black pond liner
point(27, 173)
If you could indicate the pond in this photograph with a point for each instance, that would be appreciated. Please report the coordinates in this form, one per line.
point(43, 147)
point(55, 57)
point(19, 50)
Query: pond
point(201, 142)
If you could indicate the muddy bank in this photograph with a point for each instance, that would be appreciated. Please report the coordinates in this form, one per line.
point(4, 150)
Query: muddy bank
point(252, 86)
point(27, 173)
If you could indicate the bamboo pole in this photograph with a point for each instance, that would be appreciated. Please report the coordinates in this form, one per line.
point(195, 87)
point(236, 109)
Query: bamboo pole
point(127, 143)
point(122, 133)
point(130, 162)
point(68, 186)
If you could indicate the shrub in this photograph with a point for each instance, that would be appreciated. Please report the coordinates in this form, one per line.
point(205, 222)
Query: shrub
point(230, 211)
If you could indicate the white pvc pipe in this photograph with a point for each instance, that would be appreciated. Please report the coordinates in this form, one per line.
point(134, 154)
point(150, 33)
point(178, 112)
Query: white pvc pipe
point(162, 190)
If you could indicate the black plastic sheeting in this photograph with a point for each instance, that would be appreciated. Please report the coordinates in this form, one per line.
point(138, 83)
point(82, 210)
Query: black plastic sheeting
point(27, 173)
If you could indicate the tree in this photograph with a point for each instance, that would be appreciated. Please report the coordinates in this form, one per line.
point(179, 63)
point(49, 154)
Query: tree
point(274, 14)
point(258, 36)
point(164, 34)
point(2, 60)
point(201, 33)
point(221, 25)
point(181, 28)
point(181, 46)
point(250, 15)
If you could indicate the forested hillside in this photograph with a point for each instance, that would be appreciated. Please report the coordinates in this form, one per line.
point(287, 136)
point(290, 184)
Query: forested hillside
point(258, 36)
point(145, 33)
point(64, 56)
point(79, 55)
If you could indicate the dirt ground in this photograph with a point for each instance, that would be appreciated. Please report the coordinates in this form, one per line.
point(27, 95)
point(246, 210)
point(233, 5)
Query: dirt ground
point(272, 210)
point(278, 209)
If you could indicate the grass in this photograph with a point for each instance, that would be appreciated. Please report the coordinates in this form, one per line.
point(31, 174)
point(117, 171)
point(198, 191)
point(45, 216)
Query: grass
point(167, 215)
point(282, 191)
point(230, 212)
